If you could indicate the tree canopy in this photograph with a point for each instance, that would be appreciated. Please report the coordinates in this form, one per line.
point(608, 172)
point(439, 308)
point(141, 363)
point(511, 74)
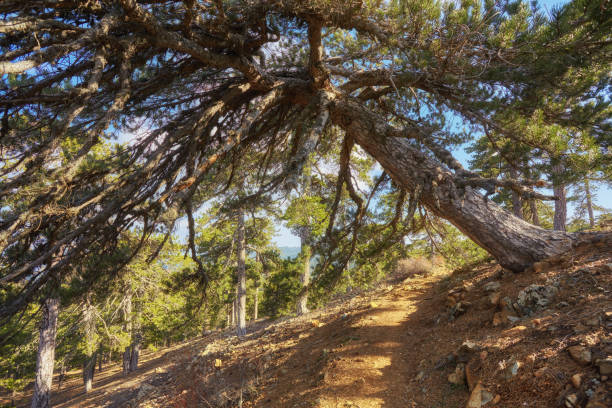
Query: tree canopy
point(212, 91)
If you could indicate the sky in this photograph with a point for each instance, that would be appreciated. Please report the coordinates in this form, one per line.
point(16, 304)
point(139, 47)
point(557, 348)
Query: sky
point(284, 237)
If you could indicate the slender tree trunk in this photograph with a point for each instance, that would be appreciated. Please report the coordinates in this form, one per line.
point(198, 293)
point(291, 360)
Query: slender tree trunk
point(256, 305)
point(89, 366)
point(302, 302)
point(136, 338)
point(46, 354)
point(89, 327)
point(517, 202)
point(127, 316)
point(233, 318)
point(589, 201)
point(560, 216)
point(515, 243)
point(241, 272)
point(535, 218)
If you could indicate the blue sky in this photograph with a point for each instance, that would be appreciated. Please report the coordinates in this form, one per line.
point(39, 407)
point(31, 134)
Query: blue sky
point(603, 196)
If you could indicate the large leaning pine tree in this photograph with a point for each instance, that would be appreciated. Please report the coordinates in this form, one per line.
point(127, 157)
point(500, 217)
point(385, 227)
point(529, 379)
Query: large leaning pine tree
point(196, 86)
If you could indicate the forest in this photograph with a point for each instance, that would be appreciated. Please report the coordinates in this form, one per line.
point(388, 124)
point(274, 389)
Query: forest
point(152, 150)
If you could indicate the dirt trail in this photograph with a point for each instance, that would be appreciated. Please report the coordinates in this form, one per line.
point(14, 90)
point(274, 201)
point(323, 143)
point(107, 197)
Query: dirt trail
point(389, 348)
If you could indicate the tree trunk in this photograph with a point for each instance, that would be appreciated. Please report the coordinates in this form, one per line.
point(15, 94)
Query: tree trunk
point(517, 203)
point(89, 327)
point(589, 202)
point(515, 243)
point(88, 371)
point(46, 354)
point(535, 218)
point(560, 202)
point(256, 304)
point(127, 318)
point(241, 272)
point(302, 302)
point(127, 356)
point(136, 338)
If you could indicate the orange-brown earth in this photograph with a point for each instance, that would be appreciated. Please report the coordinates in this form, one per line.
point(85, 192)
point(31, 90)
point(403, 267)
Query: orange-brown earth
point(395, 346)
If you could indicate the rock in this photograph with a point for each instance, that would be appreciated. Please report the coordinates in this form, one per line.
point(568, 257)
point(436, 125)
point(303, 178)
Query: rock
point(535, 297)
point(580, 354)
point(420, 376)
point(492, 286)
point(445, 361)
point(504, 317)
point(571, 400)
point(511, 369)
point(513, 319)
point(459, 309)
point(472, 376)
point(576, 380)
point(145, 391)
point(486, 397)
point(480, 397)
point(457, 377)
point(494, 298)
point(465, 352)
point(605, 366)
point(475, 400)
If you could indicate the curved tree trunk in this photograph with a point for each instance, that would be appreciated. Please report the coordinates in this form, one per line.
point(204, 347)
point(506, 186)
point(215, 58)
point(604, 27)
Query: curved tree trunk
point(241, 275)
point(515, 243)
point(46, 354)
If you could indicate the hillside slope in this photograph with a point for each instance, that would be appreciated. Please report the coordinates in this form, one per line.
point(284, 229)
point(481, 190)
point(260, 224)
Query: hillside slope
point(481, 337)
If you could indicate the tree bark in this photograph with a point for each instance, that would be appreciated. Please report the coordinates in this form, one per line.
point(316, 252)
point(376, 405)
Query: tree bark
point(127, 317)
point(46, 354)
point(256, 304)
point(302, 302)
point(589, 201)
point(89, 365)
point(561, 201)
point(136, 338)
point(517, 203)
point(241, 275)
point(535, 218)
point(515, 243)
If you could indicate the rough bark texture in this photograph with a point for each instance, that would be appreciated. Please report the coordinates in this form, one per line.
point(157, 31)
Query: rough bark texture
point(560, 202)
point(517, 203)
point(241, 275)
point(46, 354)
point(515, 243)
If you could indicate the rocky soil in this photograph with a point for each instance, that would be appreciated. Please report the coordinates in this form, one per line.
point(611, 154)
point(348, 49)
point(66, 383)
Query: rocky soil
point(481, 337)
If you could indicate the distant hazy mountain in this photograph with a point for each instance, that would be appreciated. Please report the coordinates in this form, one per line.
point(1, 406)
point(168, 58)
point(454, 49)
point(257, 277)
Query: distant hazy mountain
point(288, 252)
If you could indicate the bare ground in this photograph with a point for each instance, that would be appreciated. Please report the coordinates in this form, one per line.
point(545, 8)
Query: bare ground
point(390, 347)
